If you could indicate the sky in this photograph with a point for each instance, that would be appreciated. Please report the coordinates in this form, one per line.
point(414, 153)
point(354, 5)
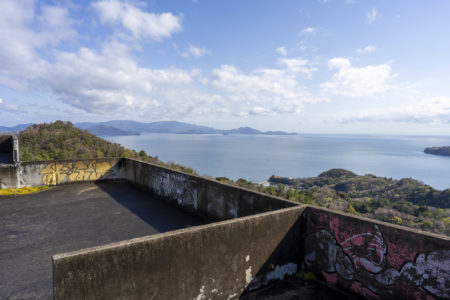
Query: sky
point(317, 66)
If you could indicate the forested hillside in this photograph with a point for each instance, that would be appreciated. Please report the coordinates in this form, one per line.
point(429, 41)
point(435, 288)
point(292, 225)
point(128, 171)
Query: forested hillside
point(62, 140)
point(406, 201)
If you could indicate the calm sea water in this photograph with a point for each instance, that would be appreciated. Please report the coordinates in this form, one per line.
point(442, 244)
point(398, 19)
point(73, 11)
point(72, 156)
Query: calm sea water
point(257, 157)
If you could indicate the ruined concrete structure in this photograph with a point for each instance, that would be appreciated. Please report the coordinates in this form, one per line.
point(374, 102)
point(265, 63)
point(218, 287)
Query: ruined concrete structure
point(254, 239)
point(9, 149)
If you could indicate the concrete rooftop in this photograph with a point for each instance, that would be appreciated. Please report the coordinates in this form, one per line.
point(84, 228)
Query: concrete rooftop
point(65, 218)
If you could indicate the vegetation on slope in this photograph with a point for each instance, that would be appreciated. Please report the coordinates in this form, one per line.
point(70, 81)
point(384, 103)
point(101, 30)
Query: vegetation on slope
point(406, 201)
point(61, 140)
point(374, 197)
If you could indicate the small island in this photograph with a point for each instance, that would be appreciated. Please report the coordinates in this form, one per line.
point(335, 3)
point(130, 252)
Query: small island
point(444, 151)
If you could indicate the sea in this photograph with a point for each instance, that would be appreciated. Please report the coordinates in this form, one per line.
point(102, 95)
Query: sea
point(257, 157)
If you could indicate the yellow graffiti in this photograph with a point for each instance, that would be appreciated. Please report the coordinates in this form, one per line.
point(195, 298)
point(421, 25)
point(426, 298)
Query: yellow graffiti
point(56, 173)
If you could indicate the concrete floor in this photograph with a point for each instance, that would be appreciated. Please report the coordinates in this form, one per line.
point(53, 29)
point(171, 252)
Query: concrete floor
point(34, 227)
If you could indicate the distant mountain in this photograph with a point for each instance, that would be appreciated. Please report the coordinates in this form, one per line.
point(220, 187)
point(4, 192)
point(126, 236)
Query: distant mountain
point(155, 127)
point(15, 129)
point(174, 127)
point(105, 130)
point(128, 127)
point(444, 151)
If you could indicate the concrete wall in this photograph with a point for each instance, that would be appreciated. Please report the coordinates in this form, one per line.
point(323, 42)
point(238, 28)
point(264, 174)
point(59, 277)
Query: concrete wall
point(217, 261)
point(205, 197)
point(60, 172)
point(8, 176)
point(375, 259)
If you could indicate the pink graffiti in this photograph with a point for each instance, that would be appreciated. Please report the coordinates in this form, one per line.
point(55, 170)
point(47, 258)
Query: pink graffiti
point(399, 253)
point(359, 289)
point(365, 247)
point(366, 250)
point(331, 277)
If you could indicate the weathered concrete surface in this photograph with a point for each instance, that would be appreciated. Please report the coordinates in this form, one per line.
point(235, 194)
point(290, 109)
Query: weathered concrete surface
point(294, 288)
point(60, 172)
point(8, 176)
point(205, 197)
point(70, 171)
point(375, 259)
point(69, 217)
point(216, 261)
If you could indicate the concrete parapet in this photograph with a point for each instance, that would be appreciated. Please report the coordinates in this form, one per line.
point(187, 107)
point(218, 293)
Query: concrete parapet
point(217, 261)
point(374, 259)
point(205, 197)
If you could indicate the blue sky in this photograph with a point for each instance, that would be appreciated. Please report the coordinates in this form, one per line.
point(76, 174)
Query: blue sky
point(336, 66)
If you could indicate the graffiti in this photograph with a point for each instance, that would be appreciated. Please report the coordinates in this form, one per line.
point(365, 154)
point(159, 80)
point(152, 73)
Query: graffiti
point(57, 173)
point(357, 258)
point(175, 186)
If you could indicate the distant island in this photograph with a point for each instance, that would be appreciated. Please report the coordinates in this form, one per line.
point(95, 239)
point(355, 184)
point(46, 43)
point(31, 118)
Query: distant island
point(444, 151)
point(128, 127)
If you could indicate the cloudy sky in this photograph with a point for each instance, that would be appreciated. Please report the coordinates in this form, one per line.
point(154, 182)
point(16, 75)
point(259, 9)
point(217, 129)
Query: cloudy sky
point(328, 66)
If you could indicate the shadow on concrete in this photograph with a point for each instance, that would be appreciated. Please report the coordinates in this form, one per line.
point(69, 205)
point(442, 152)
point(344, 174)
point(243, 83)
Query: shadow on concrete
point(290, 250)
point(149, 208)
point(295, 288)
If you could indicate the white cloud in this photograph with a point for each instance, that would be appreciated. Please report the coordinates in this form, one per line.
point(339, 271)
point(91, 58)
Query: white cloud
point(5, 107)
point(140, 23)
point(261, 91)
point(356, 82)
point(105, 81)
point(281, 50)
point(19, 59)
point(296, 65)
point(366, 50)
point(429, 110)
point(111, 80)
point(372, 15)
point(195, 51)
point(309, 30)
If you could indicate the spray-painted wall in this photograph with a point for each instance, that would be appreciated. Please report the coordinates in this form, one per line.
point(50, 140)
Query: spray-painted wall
point(216, 261)
point(60, 172)
point(205, 197)
point(374, 259)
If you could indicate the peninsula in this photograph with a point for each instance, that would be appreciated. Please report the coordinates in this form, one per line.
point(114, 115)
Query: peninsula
point(444, 151)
